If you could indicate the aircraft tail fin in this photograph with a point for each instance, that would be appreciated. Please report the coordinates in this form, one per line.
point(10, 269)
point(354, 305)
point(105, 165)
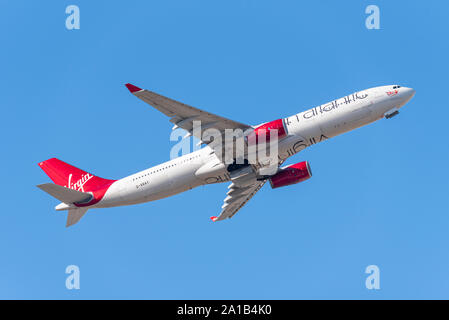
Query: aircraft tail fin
point(74, 187)
point(68, 176)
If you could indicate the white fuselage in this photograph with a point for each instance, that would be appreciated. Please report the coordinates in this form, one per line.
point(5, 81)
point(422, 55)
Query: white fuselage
point(304, 129)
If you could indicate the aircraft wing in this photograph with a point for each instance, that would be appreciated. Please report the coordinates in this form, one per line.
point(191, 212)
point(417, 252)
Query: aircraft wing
point(238, 195)
point(237, 198)
point(182, 115)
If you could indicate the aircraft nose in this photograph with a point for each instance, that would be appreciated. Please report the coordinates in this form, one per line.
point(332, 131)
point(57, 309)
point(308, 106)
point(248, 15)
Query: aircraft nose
point(409, 92)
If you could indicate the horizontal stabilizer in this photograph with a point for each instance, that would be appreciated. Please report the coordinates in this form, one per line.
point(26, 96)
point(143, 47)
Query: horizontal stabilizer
point(64, 194)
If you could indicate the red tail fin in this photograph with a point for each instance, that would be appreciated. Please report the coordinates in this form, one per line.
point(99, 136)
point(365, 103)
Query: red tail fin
point(71, 177)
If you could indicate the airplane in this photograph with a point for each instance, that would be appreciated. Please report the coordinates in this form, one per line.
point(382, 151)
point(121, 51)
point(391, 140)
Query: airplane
point(79, 190)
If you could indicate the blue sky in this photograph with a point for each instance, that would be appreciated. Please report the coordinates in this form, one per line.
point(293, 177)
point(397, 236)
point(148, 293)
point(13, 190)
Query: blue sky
point(379, 195)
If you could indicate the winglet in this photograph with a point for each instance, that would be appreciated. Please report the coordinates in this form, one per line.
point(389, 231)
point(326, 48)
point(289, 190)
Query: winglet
point(132, 88)
point(213, 218)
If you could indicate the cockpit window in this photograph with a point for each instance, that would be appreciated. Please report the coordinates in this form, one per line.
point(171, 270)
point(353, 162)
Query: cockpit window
point(396, 87)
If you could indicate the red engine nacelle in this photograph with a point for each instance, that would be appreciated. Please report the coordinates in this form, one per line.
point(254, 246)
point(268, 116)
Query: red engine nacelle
point(267, 129)
point(292, 174)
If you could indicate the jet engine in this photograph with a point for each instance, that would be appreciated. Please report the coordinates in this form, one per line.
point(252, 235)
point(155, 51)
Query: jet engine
point(266, 129)
point(292, 174)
